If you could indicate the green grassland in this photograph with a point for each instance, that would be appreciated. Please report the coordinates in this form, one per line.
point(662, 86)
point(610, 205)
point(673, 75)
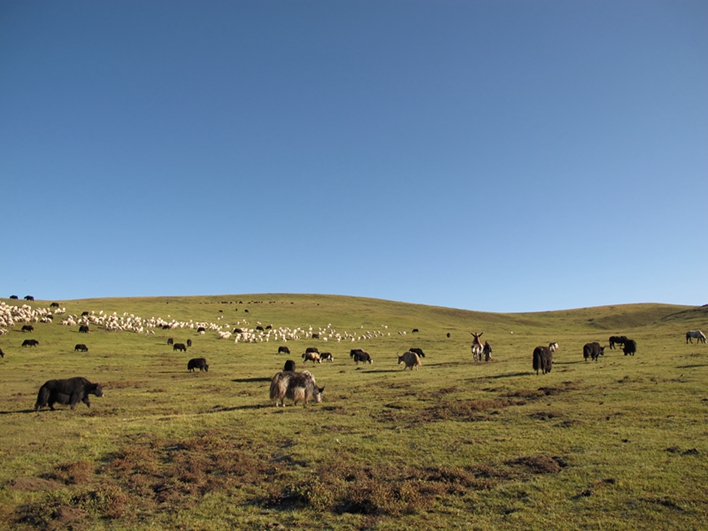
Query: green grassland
point(617, 444)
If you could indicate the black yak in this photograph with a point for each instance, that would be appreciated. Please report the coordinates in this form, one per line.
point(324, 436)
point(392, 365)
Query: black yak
point(542, 359)
point(630, 347)
point(70, 391)
point(593, 351)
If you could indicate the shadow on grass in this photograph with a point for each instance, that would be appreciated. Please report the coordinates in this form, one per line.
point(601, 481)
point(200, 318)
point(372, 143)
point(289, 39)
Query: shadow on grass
point(499, 376)
point(251, 380)
point(692, 366)
point(17, 411)
point(221, 409)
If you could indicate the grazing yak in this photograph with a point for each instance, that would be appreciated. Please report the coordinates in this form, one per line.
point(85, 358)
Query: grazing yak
point(630, 347)
point(418, 351)
point(2, 354)
point(360, 355)
point(197, 363)
point(326, 356)
point(179, 346)
point(70, 391)
point(410, 359)
point(593, 351)
point(30, 343)
point(84, 329)
point(28, 328)
point(311, 356)
point(695, 334)
point(201, 330)
point(542, 359)
point(170, 341)
point(295, 386)
point(189, 342)
point(283, 350)
point(617, 340)
point(289, 366)
point(80, 347)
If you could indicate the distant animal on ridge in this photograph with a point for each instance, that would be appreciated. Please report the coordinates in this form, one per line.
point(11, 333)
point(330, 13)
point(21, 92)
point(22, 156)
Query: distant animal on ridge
point(179, 346)
point(30, 343)
point(695, 334)
point(283, 350)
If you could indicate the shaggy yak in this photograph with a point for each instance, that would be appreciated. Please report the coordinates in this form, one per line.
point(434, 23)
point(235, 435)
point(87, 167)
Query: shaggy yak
point(542, 359)
point(295, 386)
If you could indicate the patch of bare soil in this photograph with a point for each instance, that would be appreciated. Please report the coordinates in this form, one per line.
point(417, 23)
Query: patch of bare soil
point(33, 484)
point(539, 464)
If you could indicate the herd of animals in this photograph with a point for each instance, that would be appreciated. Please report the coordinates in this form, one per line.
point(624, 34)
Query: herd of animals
point(301, 386)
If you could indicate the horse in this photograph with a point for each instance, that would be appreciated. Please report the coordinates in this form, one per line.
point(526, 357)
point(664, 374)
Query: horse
point(695, 334)
point(477, 348)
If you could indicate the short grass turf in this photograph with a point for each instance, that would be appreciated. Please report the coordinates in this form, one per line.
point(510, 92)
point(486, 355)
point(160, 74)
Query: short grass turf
point(616, 444)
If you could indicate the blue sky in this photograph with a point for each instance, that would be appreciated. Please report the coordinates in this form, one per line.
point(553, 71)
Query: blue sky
point(489, 155)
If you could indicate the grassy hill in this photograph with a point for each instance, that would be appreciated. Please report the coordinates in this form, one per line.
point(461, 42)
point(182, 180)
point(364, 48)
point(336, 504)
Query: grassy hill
point(617, 444)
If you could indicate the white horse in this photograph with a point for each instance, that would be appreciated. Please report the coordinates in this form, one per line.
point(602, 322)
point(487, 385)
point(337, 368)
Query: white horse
point(695, 334)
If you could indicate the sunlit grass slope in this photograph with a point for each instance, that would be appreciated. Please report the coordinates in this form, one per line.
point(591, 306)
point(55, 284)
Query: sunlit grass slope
point(617, 444)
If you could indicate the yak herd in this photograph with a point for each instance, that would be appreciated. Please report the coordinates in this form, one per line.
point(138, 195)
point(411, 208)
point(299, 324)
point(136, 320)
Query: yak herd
point(301, 386)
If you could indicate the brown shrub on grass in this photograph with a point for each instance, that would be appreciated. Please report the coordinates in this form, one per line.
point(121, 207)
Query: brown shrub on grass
point(540, 464)
point(72, 473)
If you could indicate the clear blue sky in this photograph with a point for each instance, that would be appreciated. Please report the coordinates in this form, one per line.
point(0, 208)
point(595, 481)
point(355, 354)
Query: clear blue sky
point(488, 155)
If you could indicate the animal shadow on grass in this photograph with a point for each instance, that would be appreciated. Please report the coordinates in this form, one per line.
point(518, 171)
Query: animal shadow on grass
point(251, 380)
point(692, 366)
point(499, 376)
point(16, 411)
point(222, 409)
